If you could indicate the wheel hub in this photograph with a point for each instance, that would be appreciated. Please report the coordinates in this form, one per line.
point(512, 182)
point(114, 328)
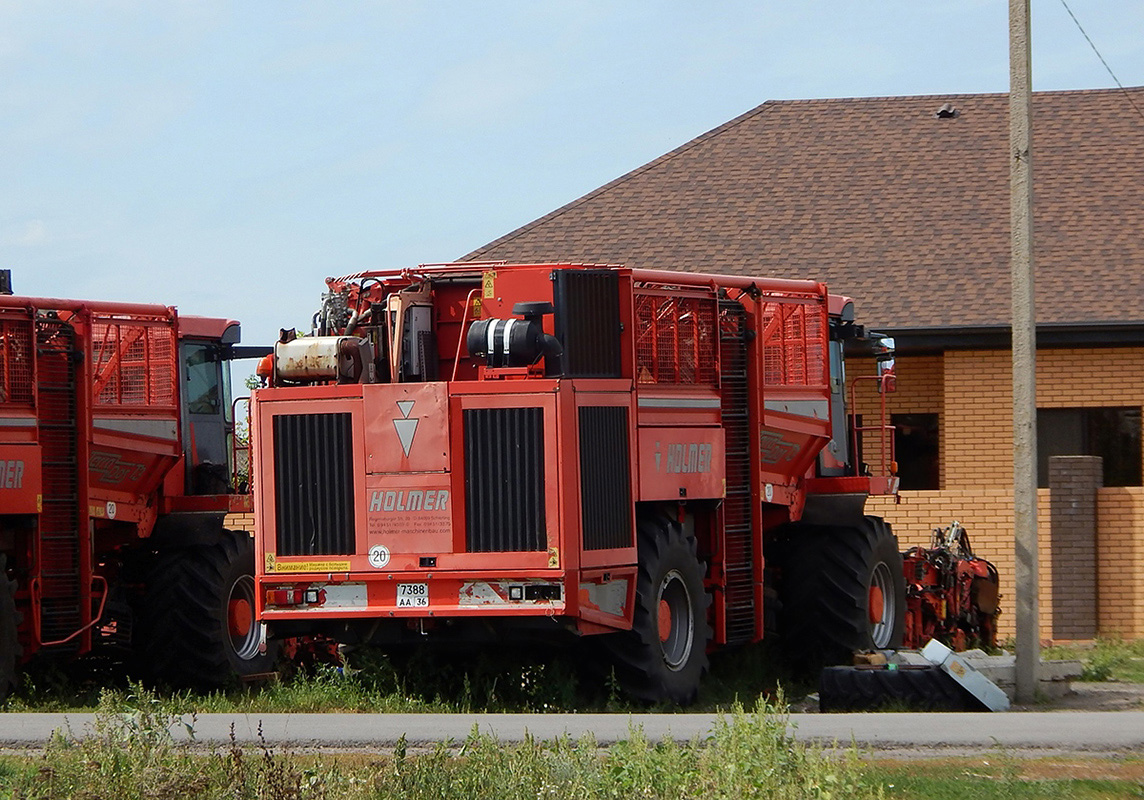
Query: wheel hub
point(239, 617)
point(675, 620)
point(881, 606)
point(245, 632)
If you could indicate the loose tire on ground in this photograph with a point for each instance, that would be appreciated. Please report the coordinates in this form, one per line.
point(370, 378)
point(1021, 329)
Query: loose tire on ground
point(664, 656)
point(197, 626)
point(842, 591)
point(10, 649)
point(907, 688)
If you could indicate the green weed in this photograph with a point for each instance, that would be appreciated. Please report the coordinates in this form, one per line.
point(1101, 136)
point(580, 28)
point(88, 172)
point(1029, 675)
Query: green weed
point(1109, 658)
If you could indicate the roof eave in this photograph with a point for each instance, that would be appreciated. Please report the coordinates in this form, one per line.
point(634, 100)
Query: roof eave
point(920, 341)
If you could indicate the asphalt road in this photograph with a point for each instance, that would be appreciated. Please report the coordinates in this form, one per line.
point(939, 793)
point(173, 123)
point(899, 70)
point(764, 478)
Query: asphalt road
point(1096, 732)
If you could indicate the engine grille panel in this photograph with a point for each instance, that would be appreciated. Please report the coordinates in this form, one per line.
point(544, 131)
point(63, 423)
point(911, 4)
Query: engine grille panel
point(588, 322)
point(605, 477)
point(313, 484)
point(504, 480)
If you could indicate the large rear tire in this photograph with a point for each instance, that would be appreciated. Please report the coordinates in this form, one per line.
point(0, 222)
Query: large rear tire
point(198, 628)
point(664, 657)
point(843, 591)
point(10, 649)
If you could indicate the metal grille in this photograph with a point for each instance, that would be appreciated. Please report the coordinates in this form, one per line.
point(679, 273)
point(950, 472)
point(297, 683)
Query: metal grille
point(134, 363)
point(313, 484)
point(605, 477)
point(675, 339)
point(794, 342)
point(738, 543)
point(16, 361)
point(588, 322)
point(504, 480)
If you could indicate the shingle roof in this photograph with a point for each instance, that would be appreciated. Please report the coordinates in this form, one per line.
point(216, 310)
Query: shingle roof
point(906, 212)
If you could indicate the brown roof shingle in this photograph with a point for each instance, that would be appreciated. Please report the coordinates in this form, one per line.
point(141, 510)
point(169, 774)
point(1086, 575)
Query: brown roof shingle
point(906, 212)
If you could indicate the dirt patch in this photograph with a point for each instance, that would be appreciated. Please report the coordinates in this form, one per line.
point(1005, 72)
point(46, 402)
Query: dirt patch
point(1085, 696)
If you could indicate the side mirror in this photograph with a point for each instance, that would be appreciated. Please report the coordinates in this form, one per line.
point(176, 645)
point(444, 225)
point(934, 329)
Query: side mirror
point(883, 347)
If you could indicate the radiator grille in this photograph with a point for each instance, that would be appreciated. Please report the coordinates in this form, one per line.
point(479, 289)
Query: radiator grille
point(588, 322)
point(605, 477)
point(504, 480)
point(313, 484)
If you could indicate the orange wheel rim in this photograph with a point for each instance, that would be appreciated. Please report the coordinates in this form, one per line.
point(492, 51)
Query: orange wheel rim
point(240, 616)
point(877, 604)
point(664, 620)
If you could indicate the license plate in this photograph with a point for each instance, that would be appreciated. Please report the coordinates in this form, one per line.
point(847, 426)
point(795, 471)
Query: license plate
point(412, 595)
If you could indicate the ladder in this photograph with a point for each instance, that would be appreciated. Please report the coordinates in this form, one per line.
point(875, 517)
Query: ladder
point(738, 545)
point(63, 594)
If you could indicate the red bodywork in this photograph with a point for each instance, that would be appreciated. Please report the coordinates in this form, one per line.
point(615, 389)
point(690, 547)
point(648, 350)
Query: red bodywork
point(473, 491)
point(92, 453)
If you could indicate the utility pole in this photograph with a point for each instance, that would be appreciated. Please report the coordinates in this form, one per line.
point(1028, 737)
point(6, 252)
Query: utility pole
point(1024, 350)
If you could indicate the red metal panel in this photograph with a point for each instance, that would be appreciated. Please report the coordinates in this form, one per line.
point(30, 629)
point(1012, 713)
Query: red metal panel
point(406, 427)
point(21, 490)
point(408, 517)
point(681, 464)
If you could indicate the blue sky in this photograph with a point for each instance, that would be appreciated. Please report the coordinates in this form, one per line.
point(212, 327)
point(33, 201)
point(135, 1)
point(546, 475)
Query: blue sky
point(226, 157)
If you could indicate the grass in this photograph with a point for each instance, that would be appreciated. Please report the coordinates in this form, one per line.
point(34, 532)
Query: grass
point(1104, 660)
point(504, 681)
point(1001, 775)
point(132, 756)
point(419, 681)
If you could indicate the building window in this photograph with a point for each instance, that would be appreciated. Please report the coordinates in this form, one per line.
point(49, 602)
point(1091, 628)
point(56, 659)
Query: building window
point(1111, 433)
point(916, 450)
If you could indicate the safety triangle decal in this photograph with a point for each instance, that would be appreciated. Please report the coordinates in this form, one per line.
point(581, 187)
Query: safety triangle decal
point(405, 427)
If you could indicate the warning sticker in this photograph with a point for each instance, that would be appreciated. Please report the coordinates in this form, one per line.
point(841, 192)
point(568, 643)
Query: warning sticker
point(312, 566)
point(488, 284)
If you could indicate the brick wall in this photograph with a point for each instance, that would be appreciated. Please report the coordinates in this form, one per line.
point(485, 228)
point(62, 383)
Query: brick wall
point(1120, 560)
point(239, 522)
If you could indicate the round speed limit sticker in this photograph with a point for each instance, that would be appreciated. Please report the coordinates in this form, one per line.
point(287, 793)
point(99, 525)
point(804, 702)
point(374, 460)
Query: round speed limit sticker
point(378, 556)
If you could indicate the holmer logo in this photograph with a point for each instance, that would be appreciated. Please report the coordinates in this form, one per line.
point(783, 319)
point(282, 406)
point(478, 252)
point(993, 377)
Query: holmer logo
point(685, 458)
point(409, 500)
point(12, 474)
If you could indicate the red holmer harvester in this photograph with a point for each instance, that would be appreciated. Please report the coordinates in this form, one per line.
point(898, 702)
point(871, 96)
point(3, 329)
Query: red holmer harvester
point(661, 461)
point(115, 435)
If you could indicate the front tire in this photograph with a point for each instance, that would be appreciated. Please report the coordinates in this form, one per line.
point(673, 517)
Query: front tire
point(843, 591)
point(198, 627)
point(664, 656)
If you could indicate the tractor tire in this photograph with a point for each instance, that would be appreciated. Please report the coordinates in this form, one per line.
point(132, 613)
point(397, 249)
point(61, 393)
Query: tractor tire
point(907, 688)
point(10, 649)
point(197, 627)
point(664, 656)
point(842, 591)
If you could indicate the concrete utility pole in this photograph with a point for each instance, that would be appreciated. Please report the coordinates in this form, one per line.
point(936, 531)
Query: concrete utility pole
point(1024, 350)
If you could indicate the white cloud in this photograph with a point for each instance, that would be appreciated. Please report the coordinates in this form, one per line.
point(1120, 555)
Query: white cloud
point(31, 234)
